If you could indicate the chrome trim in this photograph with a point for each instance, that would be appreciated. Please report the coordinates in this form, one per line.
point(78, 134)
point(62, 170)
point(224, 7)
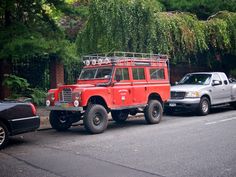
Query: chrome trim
point(26, 118)
point(66, 95)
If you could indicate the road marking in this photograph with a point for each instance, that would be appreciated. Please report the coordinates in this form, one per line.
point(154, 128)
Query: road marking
point(219, 121)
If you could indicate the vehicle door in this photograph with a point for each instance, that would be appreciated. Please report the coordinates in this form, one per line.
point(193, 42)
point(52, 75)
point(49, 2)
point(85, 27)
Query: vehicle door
point(226, 89)
point(216, 89)
point(122, 92)
point(139, 86)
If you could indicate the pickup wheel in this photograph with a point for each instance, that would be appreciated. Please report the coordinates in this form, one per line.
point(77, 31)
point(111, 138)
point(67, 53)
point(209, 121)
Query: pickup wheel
point(60, 120)
point(95, 119)
point(4, 135)
point(204, 106)
point(119, 116)
point(153, 112)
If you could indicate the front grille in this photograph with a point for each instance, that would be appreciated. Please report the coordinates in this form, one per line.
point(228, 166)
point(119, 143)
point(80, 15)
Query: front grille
point(66, 95)
point(177, 95)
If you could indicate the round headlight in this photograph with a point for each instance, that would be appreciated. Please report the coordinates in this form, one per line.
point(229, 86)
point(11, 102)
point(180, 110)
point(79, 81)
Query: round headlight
point(106, 61)
point(76, 103)
point(87, 62)
point(94, 62)
point(48, 103)
point(99, 61)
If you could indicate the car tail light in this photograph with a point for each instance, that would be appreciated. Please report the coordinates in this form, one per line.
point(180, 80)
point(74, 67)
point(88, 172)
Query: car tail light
point(33, 109)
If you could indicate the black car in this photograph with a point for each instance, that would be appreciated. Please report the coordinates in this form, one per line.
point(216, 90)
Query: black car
point(16, 118)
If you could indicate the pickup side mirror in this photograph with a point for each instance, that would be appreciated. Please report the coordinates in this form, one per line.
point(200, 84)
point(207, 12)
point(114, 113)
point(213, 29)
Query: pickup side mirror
point(216, 82)
point(176, 83)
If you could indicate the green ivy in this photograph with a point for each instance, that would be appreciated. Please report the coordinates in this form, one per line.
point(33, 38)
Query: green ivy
point(141, 26)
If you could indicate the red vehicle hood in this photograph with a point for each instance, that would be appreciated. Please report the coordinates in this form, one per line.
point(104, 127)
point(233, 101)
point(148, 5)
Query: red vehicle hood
point(76, 86)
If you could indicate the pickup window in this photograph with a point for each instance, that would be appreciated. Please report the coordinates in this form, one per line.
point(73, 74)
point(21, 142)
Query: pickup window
point(216, 77)
point(196, 79)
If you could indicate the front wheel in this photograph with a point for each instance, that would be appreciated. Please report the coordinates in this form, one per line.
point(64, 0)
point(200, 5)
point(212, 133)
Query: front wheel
point(60, 120)
point(153, 112)
point(4, 135)
point(204, 106)
point(95, 119)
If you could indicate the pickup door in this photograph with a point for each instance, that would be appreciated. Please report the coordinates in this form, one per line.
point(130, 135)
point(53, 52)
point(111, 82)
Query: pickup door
point(220, 92)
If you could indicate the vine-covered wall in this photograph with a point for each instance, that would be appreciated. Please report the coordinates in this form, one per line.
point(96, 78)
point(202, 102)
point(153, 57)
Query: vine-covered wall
point(141, 26)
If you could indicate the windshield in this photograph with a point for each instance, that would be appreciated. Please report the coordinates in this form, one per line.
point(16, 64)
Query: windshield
point(196, 79)
point(95, 73)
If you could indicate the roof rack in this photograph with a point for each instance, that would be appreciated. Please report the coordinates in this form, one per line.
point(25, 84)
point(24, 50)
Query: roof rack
point(117, 56)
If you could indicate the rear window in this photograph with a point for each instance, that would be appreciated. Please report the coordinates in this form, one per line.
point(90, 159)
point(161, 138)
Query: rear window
point(138, 73)
point(157, 74)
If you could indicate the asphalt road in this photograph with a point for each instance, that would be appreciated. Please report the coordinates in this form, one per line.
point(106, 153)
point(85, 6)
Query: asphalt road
point(180, 146)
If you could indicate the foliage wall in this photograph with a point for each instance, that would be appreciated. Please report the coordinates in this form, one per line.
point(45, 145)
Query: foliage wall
point(141, 26)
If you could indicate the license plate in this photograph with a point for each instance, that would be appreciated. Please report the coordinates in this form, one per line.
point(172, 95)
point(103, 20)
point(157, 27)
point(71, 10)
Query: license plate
point(63, 105)
point(172, 104)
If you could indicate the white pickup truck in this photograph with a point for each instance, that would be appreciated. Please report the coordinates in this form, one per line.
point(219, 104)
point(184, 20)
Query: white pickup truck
point(200, 91)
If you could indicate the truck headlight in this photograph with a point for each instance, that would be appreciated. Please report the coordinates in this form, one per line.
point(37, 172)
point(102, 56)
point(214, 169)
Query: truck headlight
point(76, 103)
point(194, 94)
point(48, 103)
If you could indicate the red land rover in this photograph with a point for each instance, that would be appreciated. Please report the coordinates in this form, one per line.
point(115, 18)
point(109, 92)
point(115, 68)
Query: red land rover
point(122, 83)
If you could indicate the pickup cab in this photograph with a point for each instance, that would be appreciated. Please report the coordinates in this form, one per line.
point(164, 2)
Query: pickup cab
point(200, 91)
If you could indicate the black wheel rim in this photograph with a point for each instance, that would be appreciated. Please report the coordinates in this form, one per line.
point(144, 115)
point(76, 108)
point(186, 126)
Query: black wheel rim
point(62, 118)
point(156, 112)
point(97, 119)
point(2, 135)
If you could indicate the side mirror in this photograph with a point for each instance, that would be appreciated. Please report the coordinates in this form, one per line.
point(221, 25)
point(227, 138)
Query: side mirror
point(216, 82)
point(176, 83)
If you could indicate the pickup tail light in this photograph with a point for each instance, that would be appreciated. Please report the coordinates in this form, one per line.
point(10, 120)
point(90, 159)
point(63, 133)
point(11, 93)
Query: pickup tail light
point(33, 109)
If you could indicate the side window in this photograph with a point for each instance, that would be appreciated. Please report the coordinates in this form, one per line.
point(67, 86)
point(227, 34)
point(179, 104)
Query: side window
point(216, 77)
point(157, 74)
point(138, 73)
point(122, 74)
point(103, 73)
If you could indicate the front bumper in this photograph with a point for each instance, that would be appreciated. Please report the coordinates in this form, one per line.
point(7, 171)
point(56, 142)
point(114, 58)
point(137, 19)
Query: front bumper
point(190, 104)
point(60, 108)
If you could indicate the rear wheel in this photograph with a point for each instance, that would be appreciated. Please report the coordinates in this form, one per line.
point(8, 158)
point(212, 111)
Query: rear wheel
point(60, 120)
point(95, 118)
point(119, 116)
point(204, 106)
point(153, 112)
point(4, 135)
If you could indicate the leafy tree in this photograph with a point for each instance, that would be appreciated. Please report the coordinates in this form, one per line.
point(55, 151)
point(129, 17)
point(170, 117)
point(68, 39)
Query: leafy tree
point(202, 8)
point(29, 28)
point(142, 26)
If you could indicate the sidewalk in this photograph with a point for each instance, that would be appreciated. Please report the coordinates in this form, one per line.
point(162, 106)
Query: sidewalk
point(44, 118)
